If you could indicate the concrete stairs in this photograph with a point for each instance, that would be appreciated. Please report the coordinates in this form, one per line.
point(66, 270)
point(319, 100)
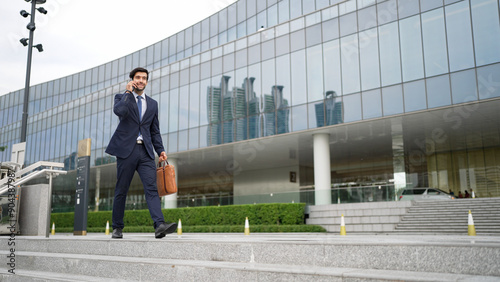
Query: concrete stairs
point(257, 257)
point(373, 217)
point(451, 217)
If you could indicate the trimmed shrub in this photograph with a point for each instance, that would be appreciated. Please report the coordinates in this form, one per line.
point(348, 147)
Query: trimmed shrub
point(223, 218)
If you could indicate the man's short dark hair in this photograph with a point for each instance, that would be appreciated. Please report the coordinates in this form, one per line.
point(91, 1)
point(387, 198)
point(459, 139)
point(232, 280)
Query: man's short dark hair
point(136, 70)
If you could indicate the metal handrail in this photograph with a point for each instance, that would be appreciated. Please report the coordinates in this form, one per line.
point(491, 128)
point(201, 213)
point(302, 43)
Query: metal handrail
point(30, 177)
point(20, 173)
point(20, 179)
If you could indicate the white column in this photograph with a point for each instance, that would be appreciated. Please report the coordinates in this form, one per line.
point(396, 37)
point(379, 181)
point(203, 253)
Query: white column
point(170, 201)
point(398, 157)
point(322, 170)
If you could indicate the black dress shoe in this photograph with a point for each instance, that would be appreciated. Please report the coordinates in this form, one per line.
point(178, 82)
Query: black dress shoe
point(164, 229)
point(117, 233)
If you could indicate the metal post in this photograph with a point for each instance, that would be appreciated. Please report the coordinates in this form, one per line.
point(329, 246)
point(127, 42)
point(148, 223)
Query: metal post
point(49, 206)
point(24, 124)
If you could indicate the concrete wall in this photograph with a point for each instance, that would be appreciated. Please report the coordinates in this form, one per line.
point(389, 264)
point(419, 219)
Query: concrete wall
point(266, 185)
point(33, 209)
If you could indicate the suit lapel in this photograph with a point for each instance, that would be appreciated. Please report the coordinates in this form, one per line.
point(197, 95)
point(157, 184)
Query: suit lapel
point(149, 108)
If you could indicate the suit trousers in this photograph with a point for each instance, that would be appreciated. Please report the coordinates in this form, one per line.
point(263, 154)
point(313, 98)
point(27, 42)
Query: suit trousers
point(139, 161)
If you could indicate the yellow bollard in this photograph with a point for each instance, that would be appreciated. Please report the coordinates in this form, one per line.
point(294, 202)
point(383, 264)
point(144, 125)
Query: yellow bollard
point(247, 227)
point(342, 225)
point(179, 227)
point(472, 229)
point(107, 228)
point(53, 232)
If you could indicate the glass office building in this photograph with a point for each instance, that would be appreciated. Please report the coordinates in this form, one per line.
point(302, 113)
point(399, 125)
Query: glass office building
point(317, 101)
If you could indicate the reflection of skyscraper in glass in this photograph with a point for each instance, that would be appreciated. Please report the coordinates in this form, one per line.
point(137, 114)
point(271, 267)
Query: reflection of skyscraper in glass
point(330, 111)
point(253, 103)
point(216, 100)
point(240, 112)
point(236, 114)
point(282, 110)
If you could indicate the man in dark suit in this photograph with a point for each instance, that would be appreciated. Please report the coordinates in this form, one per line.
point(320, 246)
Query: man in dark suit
point(133, 143)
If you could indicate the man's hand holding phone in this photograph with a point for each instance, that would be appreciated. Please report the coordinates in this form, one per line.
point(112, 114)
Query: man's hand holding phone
point(131, 86)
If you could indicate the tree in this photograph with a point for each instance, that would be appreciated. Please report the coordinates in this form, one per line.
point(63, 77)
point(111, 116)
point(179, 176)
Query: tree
point(3, 148)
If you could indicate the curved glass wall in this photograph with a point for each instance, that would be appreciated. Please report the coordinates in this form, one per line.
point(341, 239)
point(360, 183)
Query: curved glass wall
point(260, 68)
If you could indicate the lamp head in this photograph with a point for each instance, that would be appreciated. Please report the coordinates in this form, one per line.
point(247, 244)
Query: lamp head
point(24, 13)
point(42, 10)
point(39, 47)
point(24, 41)
point(31, 26)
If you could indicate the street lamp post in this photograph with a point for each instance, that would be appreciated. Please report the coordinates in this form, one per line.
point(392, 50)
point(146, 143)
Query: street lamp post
point(31, 27)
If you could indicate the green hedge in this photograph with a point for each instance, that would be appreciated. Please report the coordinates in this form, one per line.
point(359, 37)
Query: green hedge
point(212, 217)
point(210, 229)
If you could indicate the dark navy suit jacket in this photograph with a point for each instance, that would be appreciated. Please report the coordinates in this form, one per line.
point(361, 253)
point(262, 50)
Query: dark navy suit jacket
point(124, 139)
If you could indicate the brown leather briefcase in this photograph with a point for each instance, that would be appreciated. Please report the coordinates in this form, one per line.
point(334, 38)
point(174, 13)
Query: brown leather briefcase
point(165, 179)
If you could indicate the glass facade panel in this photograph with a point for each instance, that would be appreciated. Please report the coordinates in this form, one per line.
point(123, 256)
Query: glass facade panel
point(434, 38)
point(243, 90)
point(459, 35)
point(299, 117)
point(411, 48)
point(297, 40)
point(463, 86)
point(173, 110)
point(331, 65)
point(414, 96)
point(183, 140)
point(408, 8)
point(350, 64)
point(438, 91)
point(369, 60)
point(268, 87)
point(392, 100)
point(184, 107)
point(372, 104)
point(295, 8)
point(313, 35)
point(315, 73)
point(486, 30)
point(488, 79)
point(390, 64)
point(330, 29)
point(283, 11)
point(282, 45)
point(348, 24)
point(298, 78)
point(283, 80)
point(352, 107)
point(316, 116)
point(367, 18)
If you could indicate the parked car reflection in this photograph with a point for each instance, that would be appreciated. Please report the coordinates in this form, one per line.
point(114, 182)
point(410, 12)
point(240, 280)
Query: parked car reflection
point(424, 193)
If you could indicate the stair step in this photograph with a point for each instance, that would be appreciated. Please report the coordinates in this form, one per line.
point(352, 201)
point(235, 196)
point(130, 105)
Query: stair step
point(221, 271)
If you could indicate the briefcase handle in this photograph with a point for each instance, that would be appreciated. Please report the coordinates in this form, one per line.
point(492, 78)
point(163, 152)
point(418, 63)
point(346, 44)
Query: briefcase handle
point(159, 163)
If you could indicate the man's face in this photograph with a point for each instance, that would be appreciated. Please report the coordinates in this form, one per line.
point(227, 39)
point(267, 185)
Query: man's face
point(141, 80)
